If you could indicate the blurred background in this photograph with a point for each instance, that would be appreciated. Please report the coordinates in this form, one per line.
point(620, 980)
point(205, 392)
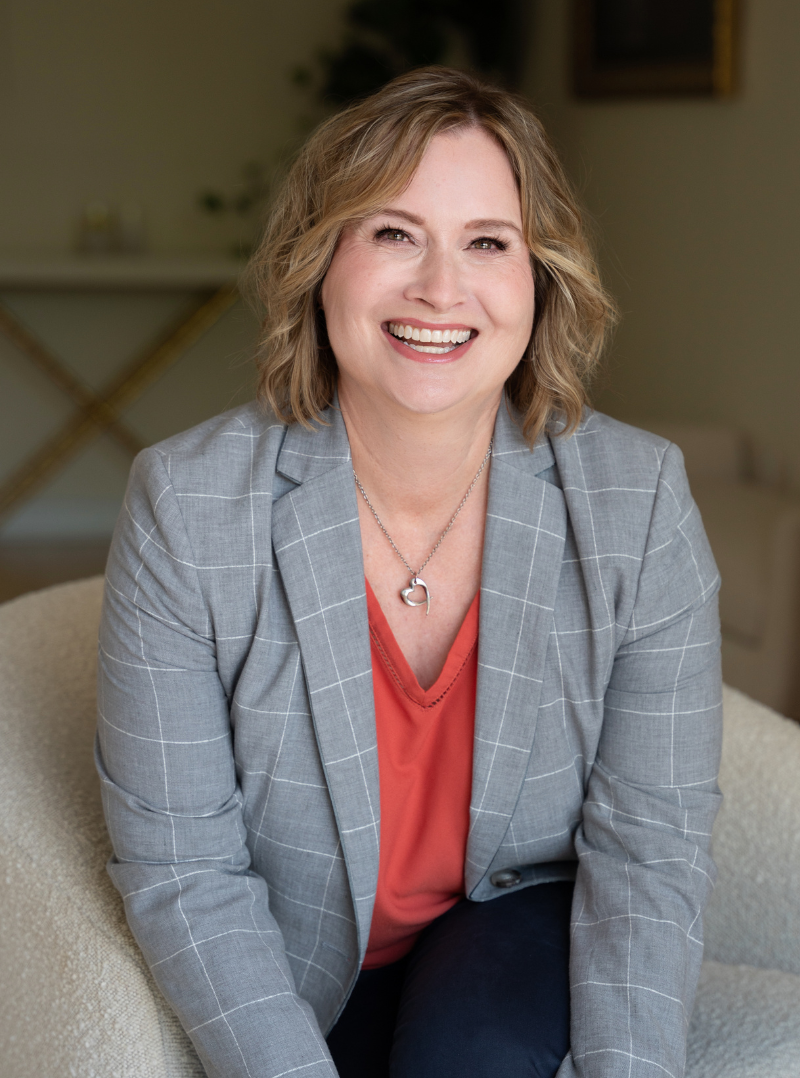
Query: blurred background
point(140, 142)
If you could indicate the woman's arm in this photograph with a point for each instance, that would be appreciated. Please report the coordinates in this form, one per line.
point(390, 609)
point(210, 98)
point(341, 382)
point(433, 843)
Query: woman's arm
point(174, 809)
point(645, 872)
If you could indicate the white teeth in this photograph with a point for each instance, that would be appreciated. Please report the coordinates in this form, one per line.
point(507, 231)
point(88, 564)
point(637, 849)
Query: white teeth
point(436, 336)
point(431, 348)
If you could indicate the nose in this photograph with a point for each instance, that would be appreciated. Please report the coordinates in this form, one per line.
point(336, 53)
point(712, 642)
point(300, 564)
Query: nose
point(438, 282)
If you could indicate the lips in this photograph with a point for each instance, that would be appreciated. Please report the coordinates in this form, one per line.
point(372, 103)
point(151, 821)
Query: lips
point(436, 341)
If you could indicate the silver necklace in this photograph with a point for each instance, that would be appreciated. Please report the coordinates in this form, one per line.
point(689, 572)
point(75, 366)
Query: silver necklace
point(416, 580)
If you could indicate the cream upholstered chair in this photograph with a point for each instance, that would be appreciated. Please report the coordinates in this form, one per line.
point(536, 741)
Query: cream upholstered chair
point(754, 531)
point(76, 998)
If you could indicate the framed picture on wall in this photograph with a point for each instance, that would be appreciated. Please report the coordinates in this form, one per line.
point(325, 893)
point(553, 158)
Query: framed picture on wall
point(638, 48)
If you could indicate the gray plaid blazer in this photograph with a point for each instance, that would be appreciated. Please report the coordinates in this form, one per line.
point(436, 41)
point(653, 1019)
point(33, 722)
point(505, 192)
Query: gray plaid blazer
point(237, 744)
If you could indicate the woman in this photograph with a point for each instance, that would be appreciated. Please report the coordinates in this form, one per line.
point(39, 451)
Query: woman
point(393, 666)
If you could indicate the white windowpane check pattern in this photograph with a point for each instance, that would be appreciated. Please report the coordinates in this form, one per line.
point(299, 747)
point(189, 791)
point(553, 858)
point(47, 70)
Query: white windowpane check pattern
point(237, 737)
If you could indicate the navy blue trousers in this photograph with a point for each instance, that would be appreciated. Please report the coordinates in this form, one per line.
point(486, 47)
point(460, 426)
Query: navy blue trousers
point(484, 992)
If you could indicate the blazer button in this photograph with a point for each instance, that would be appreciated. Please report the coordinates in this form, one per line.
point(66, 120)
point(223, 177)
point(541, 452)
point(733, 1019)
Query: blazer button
point(506, 877)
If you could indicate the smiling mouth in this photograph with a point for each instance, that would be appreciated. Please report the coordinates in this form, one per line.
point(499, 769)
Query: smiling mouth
point(435, 341)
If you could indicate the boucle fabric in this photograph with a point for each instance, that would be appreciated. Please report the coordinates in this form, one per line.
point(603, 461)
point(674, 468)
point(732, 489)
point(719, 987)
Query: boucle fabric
point(754, 915)
point(746, 1024)
point(77, 1000)
point(76, 997)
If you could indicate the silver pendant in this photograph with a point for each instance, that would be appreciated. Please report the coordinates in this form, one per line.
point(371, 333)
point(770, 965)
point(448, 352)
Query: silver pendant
point(417, 582)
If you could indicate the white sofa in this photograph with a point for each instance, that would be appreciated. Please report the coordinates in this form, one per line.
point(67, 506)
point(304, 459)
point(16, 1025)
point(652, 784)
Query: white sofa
point(754, 531)
point(76, 998)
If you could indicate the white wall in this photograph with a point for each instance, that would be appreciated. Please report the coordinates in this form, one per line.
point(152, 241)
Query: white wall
point(697, 206)
point(144, 100)
point(151, 102)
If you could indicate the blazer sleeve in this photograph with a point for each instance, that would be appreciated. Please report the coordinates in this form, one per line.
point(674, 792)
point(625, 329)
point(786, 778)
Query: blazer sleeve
point(174, 809)
point(645, 872)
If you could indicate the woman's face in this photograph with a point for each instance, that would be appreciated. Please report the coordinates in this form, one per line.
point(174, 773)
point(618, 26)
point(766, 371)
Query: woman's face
point(429, 304)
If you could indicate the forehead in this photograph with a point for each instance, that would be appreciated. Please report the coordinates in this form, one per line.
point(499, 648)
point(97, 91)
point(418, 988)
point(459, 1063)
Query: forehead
point(463, 174)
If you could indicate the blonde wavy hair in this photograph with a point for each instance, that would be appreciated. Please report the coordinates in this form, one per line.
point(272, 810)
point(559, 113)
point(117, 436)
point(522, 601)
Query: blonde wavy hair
point(356, 162)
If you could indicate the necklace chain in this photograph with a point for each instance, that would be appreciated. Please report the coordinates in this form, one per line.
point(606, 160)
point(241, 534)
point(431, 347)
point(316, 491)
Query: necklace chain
point(446, 530)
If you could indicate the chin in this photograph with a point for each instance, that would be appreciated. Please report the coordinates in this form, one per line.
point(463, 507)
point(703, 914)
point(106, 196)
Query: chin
point(435, 399)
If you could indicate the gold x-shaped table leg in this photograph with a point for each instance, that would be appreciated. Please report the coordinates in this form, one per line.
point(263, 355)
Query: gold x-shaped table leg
point(60, 374)
point(97, 413)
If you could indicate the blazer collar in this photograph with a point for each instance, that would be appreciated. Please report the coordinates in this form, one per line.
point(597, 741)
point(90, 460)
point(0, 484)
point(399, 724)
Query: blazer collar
point(526, 523)
point(308, 453)
point(511, 447)
point(317, 542)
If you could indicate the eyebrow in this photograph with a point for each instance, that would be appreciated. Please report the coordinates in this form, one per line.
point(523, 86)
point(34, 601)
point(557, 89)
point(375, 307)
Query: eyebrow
point(471, 226)
point(490, 222)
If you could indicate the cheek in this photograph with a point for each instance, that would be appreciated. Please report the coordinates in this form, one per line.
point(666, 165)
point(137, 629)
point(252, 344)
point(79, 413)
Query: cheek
point(334, 288)
point(513, 298)
point(347, 297)
point(348, 290)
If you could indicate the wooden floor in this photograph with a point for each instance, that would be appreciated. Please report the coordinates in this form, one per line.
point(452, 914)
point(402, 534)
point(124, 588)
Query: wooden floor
point(28, 566)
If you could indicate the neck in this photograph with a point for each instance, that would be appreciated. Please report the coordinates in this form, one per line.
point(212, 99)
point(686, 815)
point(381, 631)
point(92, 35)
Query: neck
point(415, 462)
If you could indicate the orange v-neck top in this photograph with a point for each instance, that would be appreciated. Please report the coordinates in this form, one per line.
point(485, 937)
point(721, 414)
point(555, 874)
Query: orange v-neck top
point(425, 761)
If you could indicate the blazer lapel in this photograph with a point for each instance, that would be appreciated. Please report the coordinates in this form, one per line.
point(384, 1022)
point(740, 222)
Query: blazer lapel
point(524, 542)
point(318, 549)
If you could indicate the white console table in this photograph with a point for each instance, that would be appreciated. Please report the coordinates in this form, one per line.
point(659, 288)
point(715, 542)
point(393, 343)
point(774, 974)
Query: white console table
point(215, 280)
point(95, 273)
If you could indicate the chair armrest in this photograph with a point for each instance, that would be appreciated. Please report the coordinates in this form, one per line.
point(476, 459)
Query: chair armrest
point(746, 1022)
point(754, 914)
point(76, 996)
